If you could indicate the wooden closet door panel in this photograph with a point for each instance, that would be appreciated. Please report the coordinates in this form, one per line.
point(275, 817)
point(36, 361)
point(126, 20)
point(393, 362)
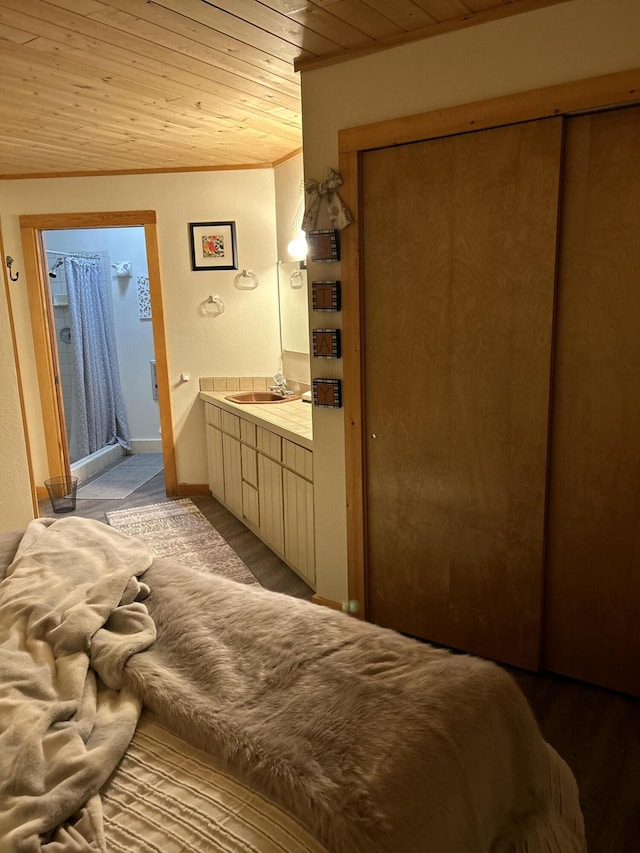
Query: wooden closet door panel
point(459, 238)
point(592, 628)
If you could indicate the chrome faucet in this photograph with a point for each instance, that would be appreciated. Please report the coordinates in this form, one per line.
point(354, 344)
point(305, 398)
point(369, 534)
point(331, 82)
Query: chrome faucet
point(280, 386)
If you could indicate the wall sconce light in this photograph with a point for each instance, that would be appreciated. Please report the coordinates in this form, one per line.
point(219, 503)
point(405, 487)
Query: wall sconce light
point(297, 248)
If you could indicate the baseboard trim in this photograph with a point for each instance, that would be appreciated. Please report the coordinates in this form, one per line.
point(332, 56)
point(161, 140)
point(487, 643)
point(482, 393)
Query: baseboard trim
point(327, 602)
point(186, 489)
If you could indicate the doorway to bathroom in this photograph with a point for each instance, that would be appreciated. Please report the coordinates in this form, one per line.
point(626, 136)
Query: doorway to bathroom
point(64, 254)
point(99, 287)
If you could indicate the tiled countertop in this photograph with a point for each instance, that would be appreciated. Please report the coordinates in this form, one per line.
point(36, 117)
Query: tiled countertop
point(290, 420)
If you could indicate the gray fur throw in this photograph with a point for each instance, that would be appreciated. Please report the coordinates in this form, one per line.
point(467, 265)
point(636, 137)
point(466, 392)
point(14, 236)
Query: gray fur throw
point(373, 741)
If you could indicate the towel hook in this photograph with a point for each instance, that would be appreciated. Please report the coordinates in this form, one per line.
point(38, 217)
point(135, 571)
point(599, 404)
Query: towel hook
point(9, 262)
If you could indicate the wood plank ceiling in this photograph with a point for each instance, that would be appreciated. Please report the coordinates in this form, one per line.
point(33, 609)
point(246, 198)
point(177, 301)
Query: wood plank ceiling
point(108, 86)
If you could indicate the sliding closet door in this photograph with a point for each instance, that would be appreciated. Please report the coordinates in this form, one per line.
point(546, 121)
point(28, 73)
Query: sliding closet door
point(592, 626)
point(459, 238)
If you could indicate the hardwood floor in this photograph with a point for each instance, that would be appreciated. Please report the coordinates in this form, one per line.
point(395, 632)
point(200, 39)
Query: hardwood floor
point(595, 730)
point(270, 570)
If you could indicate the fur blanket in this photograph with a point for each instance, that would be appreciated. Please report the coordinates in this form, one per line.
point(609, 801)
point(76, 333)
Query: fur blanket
point(375, 742)
point(68, 600)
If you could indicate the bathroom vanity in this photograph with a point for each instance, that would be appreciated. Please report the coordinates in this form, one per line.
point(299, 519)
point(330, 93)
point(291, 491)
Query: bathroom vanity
point(260, 467)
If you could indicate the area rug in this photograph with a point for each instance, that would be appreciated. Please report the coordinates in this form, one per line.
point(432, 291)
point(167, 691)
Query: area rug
point(123, 479)
point(179, 530)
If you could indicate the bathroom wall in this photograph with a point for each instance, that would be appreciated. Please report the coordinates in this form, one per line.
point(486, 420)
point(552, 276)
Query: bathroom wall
point(242, 341)
point(294, 301)
point(289, 202)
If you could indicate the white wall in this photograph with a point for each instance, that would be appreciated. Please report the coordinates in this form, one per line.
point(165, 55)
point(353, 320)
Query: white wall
point(133, 337)
point(289, 202)
point(294, 302)
point(570, 41)
point(243, 341)
point(16, 509)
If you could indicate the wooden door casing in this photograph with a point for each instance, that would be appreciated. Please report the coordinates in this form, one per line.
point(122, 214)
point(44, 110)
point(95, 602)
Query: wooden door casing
point(458, 254)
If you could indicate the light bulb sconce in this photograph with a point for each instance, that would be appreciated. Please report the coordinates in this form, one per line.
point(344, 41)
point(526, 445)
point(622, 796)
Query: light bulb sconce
point(298, 247)
point(9, 263)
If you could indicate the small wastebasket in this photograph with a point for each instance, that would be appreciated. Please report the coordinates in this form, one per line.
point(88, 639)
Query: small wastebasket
point(62, 492)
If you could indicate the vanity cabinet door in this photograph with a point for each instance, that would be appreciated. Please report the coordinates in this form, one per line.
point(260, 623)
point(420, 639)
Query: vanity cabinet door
point(250, 505)
point(215, 463)
point(232, 474)
point(298, 524)
point(250, 500)
point(271, 506)
point(267, 482)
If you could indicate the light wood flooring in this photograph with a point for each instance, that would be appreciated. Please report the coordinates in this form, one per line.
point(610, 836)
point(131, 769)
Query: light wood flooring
point(269, 569)
point(595, 730)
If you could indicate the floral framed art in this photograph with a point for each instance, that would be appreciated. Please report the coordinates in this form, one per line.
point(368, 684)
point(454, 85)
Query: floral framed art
point(213, 246)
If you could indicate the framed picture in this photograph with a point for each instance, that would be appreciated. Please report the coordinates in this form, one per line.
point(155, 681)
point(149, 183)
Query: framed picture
point(213, 246)
point(324, 245)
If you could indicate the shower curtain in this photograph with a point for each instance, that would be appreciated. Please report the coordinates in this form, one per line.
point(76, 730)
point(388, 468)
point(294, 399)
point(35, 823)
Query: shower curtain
point(97, 412)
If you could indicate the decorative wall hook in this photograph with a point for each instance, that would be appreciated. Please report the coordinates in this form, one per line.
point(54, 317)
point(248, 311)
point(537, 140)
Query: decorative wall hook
point(9, 263)
point(122, 270)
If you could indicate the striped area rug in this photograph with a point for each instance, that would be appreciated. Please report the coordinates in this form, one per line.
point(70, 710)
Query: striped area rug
point(178, 529)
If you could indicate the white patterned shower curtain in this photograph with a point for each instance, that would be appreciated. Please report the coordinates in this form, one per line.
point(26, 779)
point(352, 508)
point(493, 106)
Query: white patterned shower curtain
point(97, 412)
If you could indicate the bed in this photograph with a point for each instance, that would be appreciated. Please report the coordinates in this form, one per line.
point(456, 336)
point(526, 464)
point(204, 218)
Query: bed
point(147, 706)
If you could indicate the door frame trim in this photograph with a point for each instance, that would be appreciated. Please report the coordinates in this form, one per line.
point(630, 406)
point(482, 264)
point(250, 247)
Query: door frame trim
point(31, 227)
point(596, 93)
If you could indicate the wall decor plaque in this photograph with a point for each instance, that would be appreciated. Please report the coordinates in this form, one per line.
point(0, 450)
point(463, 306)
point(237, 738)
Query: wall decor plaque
point(326, 343)
point(326, 295)
point(324, 245)
point(327, 393)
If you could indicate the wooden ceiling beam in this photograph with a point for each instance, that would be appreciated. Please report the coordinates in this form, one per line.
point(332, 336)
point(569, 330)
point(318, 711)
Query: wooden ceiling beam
point(499, 9)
